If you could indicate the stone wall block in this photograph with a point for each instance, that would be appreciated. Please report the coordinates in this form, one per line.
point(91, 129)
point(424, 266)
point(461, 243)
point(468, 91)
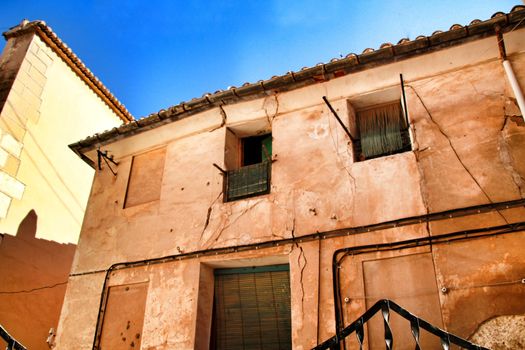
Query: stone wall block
point(34, 47)
point(11, 145)
point(37, 63)
point(11, 186)
point(11, 165)
point(3, 158)
point(12, 126)
point(43, 54)
point(31, 98)
point(37, 76)
point(5, 201)
point(16, 109)
point(24, 67)
point(35, 87)
point(18, 86)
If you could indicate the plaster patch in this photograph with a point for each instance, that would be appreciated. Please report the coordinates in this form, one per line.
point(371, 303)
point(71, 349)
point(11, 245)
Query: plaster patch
point(319, 132)
point(501, 333)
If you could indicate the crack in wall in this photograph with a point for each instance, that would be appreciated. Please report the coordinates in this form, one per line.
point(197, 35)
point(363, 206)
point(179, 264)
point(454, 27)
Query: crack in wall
point(508, 164)
point(217, 234)
point(511, 115)
point(224, 118)
point(275, 113)
point(335, 143)
point(305, 262)
point(208, 215)
point(442, 132)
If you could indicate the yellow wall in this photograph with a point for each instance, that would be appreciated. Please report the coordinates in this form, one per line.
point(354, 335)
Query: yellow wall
point(48, 108)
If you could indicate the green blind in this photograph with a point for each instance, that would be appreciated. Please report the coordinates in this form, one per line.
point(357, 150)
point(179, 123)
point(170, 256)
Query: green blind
point(382, 131)
point(248, 181)
point(252, 309)
point(266, 145)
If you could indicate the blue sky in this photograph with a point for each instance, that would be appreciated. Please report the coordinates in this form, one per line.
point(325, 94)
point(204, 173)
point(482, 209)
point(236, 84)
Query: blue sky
point(154, 54)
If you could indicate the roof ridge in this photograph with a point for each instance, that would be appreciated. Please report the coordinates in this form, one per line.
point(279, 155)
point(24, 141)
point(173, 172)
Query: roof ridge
point(70, 58)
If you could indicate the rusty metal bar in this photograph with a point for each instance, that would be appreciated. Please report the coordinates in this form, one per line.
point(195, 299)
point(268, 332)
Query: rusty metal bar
point(405, 108)
point(338, 119)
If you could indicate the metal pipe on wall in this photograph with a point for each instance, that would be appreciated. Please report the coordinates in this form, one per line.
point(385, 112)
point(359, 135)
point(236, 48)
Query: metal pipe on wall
point(515, 87)
point(518, 93)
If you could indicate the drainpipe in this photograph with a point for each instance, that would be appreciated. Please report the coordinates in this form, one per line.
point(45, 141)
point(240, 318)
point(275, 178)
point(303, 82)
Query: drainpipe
point(510, 73)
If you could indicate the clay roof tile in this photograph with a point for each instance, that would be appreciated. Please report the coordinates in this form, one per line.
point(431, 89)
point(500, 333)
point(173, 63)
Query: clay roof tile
point(64, 51)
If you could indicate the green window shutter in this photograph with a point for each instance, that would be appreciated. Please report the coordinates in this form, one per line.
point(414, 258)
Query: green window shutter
point(267, 148)
point(252, 308)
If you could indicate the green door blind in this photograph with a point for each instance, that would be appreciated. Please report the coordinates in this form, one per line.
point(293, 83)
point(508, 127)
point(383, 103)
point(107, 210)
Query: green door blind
point(252, 309)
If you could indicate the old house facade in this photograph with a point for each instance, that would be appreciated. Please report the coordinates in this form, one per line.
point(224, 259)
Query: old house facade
point(252, 218)
point(48, 99)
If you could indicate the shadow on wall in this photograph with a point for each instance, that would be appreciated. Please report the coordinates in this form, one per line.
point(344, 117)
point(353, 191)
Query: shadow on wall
point(33, 279)
point(27, 228)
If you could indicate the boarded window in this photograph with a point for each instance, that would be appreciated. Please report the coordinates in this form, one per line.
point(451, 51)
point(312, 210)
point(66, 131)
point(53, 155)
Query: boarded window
point(252, 308)
point(124, 317)
point(410, 281)
point(145, 179)
point(383, 131)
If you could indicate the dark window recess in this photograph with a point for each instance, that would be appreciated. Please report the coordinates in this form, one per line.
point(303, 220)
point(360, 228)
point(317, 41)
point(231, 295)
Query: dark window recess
point(253, 177)
point(252, 308)
point(256, 149)
point(382, 131)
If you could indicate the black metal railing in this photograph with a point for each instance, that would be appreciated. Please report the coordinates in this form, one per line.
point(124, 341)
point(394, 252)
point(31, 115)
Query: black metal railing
point(12, 343)
point(384, 306)
point(247, 181)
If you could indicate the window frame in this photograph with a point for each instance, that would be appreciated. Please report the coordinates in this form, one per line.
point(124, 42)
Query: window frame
point(264, 168)
point(404, 132)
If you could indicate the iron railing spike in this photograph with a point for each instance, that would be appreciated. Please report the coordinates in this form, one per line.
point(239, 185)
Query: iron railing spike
point(415, 324)
point(414, 328)
point(445, 342)
point(385, 311)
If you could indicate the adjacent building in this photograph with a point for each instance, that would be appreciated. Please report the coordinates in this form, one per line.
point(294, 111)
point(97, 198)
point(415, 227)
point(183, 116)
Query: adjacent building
point(48, 99)
point(274, 214)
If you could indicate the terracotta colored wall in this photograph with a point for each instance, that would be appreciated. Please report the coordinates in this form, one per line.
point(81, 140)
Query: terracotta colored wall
point(467, 150)
point(27, 263)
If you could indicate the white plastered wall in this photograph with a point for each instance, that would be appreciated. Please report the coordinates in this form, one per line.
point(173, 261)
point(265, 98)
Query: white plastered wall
point(49, 107)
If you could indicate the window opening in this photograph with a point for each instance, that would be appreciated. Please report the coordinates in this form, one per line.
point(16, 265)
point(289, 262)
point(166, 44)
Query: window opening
point(256, 149)
point(382, 131)
point(252, 178)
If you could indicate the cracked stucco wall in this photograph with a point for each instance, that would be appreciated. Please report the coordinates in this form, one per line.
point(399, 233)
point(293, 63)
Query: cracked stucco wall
point(467, 150)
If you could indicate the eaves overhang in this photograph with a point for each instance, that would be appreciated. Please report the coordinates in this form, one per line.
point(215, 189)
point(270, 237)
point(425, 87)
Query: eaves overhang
point(322, 72)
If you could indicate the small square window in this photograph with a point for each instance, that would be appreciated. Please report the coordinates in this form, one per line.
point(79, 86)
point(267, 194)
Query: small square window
point(251, 174)
point(382, 131)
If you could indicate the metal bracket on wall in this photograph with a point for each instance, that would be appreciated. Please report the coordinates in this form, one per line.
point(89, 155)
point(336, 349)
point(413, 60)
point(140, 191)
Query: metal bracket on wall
point(338, 119)
point(104, 155)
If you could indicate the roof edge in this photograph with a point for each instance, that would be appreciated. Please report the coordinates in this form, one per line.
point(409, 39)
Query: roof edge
point(46, 34)
point(322, 72)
